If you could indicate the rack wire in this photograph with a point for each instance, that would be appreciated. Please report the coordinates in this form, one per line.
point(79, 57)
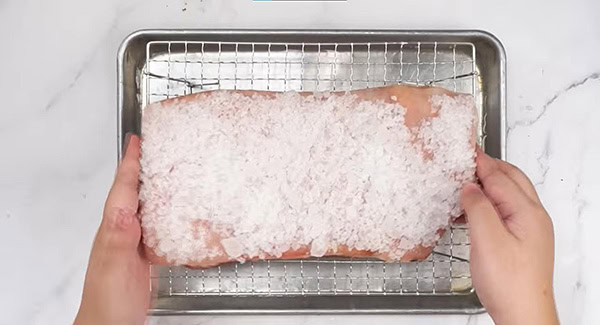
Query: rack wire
point(177, 68)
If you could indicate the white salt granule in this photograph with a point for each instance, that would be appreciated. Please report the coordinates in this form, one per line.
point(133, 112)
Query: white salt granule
point(258, 176)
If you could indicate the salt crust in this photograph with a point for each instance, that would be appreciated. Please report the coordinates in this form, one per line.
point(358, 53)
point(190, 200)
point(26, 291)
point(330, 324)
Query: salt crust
point(265, 175)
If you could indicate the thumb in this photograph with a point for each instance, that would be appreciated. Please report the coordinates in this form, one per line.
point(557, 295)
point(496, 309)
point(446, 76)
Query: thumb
point(485, 225)
point(120, 224)
point(124, 192)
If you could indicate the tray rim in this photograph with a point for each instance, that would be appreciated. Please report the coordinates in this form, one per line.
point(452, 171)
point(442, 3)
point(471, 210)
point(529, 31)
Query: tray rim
point(167, 305)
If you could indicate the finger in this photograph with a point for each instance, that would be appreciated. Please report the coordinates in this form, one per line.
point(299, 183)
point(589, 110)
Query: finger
point(128, 172)
point(485, 225)
point(503, 192)
point(516, 175)
point(120, 230)
point(519, 177)
point(124, 192)
point(120, 225)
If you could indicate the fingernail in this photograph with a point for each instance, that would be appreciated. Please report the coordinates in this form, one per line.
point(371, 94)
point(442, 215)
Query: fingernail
point(480, 151)
point(126, 142)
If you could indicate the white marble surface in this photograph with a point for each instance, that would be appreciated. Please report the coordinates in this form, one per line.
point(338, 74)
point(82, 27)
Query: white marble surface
point(58, 129)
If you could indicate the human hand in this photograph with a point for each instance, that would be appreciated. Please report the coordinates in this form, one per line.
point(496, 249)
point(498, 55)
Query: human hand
point(117, 283)
point(512, 245)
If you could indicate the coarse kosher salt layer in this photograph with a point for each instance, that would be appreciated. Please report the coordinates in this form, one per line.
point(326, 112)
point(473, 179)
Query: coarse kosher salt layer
point(256, 176)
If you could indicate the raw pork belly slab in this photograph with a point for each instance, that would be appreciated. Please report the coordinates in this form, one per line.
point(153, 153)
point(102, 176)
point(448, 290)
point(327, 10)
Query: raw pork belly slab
point(246, 175)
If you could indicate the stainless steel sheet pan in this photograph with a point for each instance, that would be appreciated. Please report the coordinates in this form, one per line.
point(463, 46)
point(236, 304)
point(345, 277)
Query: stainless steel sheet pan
point(161, 64)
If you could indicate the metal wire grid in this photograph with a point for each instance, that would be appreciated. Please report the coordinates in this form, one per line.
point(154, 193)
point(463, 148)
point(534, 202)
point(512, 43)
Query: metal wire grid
point(179, 68)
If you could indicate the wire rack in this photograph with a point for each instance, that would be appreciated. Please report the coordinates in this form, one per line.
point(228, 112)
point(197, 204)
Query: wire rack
point(179, 68)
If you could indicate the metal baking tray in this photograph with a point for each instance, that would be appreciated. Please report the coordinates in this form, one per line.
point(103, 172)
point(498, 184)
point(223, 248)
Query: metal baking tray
point(159, 64)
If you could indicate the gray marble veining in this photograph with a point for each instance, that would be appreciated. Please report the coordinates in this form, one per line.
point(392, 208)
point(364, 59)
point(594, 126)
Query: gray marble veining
point(58, 130)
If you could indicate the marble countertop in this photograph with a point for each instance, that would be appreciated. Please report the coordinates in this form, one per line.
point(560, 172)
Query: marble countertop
point(58, 129)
